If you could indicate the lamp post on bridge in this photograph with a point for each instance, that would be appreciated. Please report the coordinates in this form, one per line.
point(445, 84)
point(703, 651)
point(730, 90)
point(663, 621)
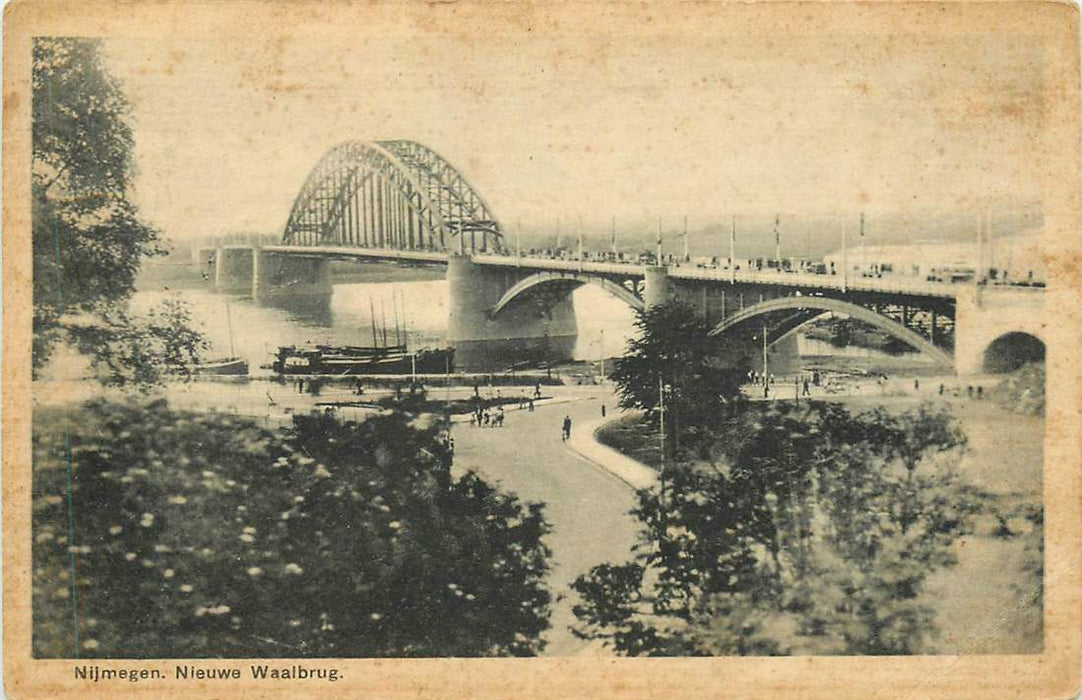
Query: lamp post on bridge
point(845, 260)
point(659, 263)
point(580, 242)
point(687, 256)
point(732, 252)
point(518, 241)
point(863, 259)
point(777, 240)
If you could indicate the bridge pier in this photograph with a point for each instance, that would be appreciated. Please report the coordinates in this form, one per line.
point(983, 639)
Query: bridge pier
point(546, 329)
point(275, 274)
point(233, 269)
point(656, 287)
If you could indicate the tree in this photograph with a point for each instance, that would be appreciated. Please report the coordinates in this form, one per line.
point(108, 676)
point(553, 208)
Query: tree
point(809, 531)
point(87, 237)
point(204, 535)
point(674, 353)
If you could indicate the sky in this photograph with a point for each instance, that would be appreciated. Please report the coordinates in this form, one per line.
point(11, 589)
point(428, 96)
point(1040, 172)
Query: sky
point(586, 125)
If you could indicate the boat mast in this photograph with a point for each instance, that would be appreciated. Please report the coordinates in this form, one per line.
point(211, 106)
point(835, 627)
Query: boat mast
point(405, 319)
point(372, 317)
point(229, 325)
point(394, 306)
point(383, 321)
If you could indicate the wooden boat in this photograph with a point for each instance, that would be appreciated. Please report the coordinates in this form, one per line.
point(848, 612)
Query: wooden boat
point(228, 366)
point(339, 361)
point(231, 366)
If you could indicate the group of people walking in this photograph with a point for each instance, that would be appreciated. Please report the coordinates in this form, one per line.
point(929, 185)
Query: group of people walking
point(484, 418)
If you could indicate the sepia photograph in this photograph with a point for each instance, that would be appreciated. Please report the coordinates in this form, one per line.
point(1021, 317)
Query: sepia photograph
point(582, 332)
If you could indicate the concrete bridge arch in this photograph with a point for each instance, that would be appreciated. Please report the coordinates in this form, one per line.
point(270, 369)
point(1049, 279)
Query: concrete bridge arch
point(998, 330)
point(545, 277)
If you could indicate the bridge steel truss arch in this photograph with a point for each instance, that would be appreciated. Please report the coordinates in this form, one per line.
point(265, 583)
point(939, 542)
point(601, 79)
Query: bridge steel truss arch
point(390, 194)
point(545, 277)
point(809, 308)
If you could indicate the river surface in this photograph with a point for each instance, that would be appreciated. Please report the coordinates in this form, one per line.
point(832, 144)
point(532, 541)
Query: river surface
point(241, 326)
point(414, 312)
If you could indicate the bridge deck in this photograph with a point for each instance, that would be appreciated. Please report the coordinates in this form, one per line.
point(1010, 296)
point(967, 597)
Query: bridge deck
point(883, 285)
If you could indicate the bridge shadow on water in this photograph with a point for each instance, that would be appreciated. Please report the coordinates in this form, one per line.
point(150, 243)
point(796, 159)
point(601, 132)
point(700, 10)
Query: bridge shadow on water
point(309, 309)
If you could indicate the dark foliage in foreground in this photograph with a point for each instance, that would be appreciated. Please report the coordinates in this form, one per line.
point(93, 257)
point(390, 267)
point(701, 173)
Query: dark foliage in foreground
point(88, 238)
point(204, 535)
point(809, 530)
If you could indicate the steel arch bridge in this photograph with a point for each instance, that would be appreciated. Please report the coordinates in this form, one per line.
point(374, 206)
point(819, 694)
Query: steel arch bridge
point(400, 195)
point(798, 311)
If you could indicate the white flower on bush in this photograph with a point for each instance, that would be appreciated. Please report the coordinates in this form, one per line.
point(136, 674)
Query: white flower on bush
point(292, 568)
point(255, 571)
point(217, 610)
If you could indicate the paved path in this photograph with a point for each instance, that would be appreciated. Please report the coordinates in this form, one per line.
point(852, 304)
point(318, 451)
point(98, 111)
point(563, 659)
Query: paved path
point(586, 505)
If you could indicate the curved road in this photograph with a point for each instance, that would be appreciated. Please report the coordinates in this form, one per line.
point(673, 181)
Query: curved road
point(586, 505)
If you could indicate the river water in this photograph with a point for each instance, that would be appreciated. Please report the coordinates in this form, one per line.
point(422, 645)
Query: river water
point(415, 312)
point(346, 318)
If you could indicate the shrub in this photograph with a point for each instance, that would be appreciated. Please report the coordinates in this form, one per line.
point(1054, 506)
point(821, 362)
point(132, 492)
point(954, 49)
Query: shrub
point(812, 530)
point(203, 535)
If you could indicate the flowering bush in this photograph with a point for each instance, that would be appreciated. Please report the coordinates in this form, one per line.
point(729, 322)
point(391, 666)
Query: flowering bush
point(195, 535)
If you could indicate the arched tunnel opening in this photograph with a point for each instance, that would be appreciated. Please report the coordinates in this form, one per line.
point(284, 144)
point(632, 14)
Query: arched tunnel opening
point(1012, 351)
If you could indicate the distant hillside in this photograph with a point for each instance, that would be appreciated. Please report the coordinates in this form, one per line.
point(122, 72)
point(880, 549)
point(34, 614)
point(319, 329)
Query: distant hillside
point(807, 238)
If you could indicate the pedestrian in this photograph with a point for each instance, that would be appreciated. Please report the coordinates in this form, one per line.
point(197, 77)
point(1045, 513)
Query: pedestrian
point(567, 428)
point(916, 385)
point(941, 388)
point(537, 390)
point(980, 392)
point(969, 390)
point(602, 410)
point(499, 416)
point(531, 405)
point(806, 392)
